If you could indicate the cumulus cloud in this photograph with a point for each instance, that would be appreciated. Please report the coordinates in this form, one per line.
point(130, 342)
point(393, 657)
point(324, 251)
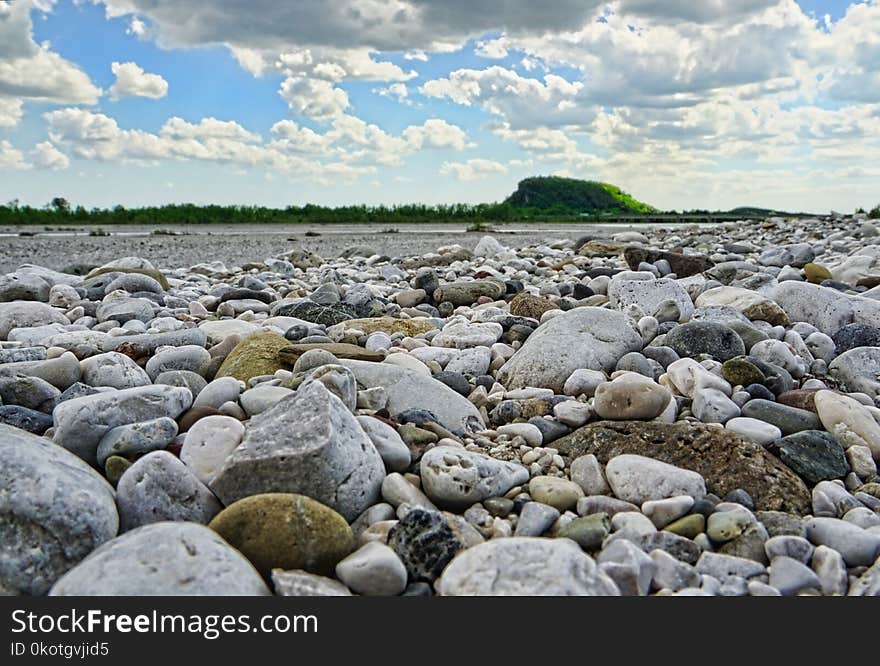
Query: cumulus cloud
point(11, 157)
point(313, 98)
point(10, 112)
point(473, 169)
point(47, 156)
point(133, 81)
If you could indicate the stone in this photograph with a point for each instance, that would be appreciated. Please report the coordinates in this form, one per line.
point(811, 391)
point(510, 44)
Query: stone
point(287, 531)
point(255, 355)
point(683, 265)
point(219, 391)
point(868, 584)
point(158, 487)
point(688, 526)
point(25, 314)
point(831, 499)
point(857, 546)
point(425, 541)
point(467, 293)
point(814, 455)
point(627, 399)
point(705, 337)
point(725, 566)
point(165, 559)
point(457, 478)
point(298, 583)
point(30, 392)
point(759, 432)
point(793, 254)
point(671, 574)
point(535, 519)
point(373, 570)
point(327, 315)
point(309, 443)
point(739, 371)
point(852, 336)
point(26, 419)
point(81, 423)
point(725, 460)
point(831, 570)
point(114, 370)
point(848, 420)
point(523, 566)
point(587, 531)
point(389, 445)
point(188, 357)
point(337, 379)
point(857, 370)
point(411, 390)
point(121, 308)
point(390, 325)
point(584, 382)
point(794, 547)
point(789, 420)
point(628, 566)
point(637, 479)
point(587, 472)
point(713, 406)
point(54, 511)
point(790, 576)
point(649, 295)
point(753, 305)
point(461, 334)
point(722, 526)
point(583, 338)
point(561, 494)
point(528, 305)
point(664, 511)
point(133, 439)
point(824, 308)
point(23, 287)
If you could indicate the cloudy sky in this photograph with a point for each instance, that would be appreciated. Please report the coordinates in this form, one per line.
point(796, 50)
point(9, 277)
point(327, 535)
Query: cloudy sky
point(683, 103)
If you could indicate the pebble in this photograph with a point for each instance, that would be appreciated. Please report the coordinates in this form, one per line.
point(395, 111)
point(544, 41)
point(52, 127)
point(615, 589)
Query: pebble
point(373, 570)
point(638, 479)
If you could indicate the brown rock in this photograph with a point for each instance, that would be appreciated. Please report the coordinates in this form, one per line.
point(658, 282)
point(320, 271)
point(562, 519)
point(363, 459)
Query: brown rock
point(527, 305)
point(289, 354)
point(189, 417)
point(683, 265)
point(799, 398)
point(601, 248)
point(390, 325)
point(724, 459)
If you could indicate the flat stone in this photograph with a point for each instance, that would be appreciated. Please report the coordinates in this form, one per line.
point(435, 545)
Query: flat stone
point(638, 479)
point(165, 559)
point(133, 439)
point(789, 420)
point(457, 478)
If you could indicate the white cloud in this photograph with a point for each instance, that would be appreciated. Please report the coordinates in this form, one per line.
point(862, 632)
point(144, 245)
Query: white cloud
point(494, 48)
point(47, 156)
point(11, 157)
point(474, 169)
point(207, 128)
point(10, 112)
point(312, 98)
point(416, 55)
point(138, 28)
point(251, 60)
point(133, 81)
point(398, 91)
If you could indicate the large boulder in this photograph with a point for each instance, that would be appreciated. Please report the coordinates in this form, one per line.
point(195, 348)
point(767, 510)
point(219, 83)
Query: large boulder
point(592, 338)
point(724, 459)
point(164, 559)
point(308, 443)
point(54, 510)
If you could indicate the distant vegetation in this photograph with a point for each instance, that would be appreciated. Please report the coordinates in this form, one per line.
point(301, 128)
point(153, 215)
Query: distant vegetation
point(568, 196)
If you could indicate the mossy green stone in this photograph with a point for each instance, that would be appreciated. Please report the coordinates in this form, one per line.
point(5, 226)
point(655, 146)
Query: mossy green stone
point(587, 531)
point(149, 272)
point(114, 468)
point(256, 355)
point(817, 273)
point(688, 527)
point(740, 372)
point(285, 531)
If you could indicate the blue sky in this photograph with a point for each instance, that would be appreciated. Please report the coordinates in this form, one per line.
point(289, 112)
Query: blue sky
point(685, 105)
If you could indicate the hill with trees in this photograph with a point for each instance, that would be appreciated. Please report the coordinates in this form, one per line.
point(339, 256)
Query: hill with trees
point(569, 195)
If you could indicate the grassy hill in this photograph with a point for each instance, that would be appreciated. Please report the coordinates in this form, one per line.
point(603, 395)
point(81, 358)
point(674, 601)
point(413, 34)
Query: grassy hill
point(569, 195)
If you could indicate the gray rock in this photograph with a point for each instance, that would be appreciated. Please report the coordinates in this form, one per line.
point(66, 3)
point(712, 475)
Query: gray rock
point(146, 344)
point(134, 439)
point(158, 487)
point(790, 576)
point(373, 570)
point(671, 574)
point(54, 510)
point(27, 419)
point(388, 443)
point(125, 309)
point(456, 478)
point(525, 566)
point(649, 295)
point(310, 444)
point(638, 479)
point(586, 337)
point(726, 566)
point(113, 369)
point(425, 541)
point(164, 559)
point(535, 518)
point(218, 392)
point(857, 370)
point(23, 287)
point(183, 378)
point(831, 570)
point(789, 420)
point(339, 380)
point(61, 372)
point(188, 357)
point(30, 392)
point(82, 422)
point(794, 547)
point(24, 314)
point(408, 389)
point(858, 547)
point(628, 566)
point(705, 337)
point(298, 583)
point(868, 584)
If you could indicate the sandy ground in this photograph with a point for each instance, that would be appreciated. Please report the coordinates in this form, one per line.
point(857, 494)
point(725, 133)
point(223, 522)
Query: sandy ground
point(235, 245)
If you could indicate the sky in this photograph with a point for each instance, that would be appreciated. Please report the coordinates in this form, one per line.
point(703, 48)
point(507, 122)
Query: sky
point(683, 104)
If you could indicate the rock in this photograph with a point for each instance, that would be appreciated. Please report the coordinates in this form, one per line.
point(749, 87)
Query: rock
point(308, 443)
point(789, 420)
point(868, 584)
point(158, 487)
point(725, 566)
point(790, 576)
point(390, 446)
point(337, 350)
point(753, 305)
point(524, 566)
point(337, 379)
point(113, 369)
point(561, 494)
point(165, 559)
point(591, 338)
point(425, 541)
point(587, 531)
point(123, 308)
point(713, 406)
point(824, 308)
point(628, 398)
point(299, 583)
point(285, 530)
point(852, 336)
point(705, 337)
point(457, 478)
point(857, 370)
point(858, 547)
point(849, 421)
point(390, 325)
point(135, 439)
point(26, 419)
point(146, 344)
point(30, 392)
point(23, 287)
point(535, 519)
point(814, 455)
point(24, 314)
point(638, 479)
point(671, 574)
point(664, 511)
point(373, 570)
point(219, 391)
point(188, 357)
point(759, 432)
point(589, 474)
point(628, 566)
point(649, 296)
point(741, 372)
point(410, 390)
point(54, 510)
point(461, 334)
point(82, 422)
point(683, 265)
point(725, 460)
point(789, 546)
point(327, 315)
point(527, 305)
point(254, 356)
point(467, 293)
